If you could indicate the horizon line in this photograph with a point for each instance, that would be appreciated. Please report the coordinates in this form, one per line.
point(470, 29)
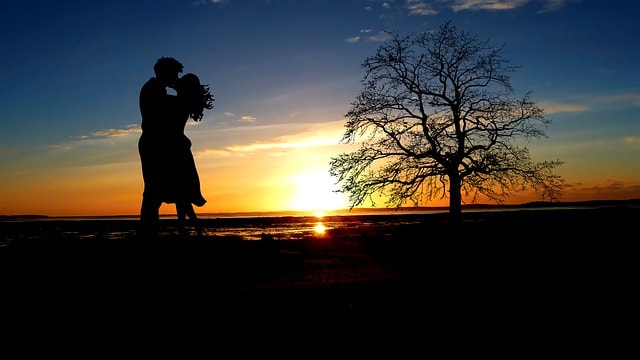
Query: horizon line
point(335, 212)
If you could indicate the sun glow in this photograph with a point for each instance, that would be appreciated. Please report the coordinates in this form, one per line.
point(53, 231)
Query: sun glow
point(313, 191)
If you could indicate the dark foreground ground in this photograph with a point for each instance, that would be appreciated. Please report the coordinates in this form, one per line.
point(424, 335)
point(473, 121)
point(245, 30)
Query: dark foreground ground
point(563, 279)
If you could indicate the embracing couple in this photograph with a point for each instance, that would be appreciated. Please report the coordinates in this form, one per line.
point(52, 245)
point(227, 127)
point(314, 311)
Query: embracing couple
point(168, 168)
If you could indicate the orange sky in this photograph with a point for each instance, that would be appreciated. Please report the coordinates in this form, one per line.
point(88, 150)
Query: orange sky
point(290, 172)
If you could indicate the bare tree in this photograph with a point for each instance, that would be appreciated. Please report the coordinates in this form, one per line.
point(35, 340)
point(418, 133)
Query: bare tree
point(437, 115)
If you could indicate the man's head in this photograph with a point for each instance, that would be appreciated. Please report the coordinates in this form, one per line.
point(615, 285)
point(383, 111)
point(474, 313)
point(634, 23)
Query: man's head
point(167, 70)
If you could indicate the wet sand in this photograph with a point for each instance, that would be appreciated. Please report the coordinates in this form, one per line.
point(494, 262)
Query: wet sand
point(562, 276)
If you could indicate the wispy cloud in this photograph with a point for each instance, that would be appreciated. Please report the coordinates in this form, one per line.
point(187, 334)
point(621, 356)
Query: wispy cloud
point(460, 5)
point(418, 7)
point(617, 100)
point(632, 139)
point(211, 153)
point(553, 5)
point(553, 108)
point(276, 138)
point(105, 137)
point(247, 118)
point(356, 38)
point(282, 145)
point(609, 189)
point(594, 101)
point(380, 37)
point(111, 133)
point(205, 2)
point(623, 99)
point(421, 7)
point(241, 118)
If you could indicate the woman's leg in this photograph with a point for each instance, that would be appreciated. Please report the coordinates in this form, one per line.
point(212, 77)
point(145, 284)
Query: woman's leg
point(184, 210)
point(194, 218)
point(181, 211)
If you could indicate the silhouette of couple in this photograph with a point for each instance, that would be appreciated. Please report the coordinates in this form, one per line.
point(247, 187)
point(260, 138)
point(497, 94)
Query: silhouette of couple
point(168, 167)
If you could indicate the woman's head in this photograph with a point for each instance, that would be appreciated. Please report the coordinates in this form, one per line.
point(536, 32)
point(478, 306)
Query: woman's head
point(197, 96)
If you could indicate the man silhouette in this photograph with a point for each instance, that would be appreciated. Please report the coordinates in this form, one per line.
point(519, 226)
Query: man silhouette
point(157, 109)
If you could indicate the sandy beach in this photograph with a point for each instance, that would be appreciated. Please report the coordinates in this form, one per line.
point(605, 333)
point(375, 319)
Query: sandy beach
point(518, 276)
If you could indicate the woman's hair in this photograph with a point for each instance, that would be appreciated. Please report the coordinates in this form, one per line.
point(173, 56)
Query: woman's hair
point(197, 96)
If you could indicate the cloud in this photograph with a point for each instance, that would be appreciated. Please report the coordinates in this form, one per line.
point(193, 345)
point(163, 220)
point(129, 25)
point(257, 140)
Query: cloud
point(329, 136)
point(621, 99)
point(610, 189)
point(355, 39)
point(210, 153)
point(247, 118)
point(279, 138)
point(380, 37)
point(460, 5)
point(418, 7)
point(553, 108)
point(101, 147)
point(241, 118)
point(99, 138)
point(111, 133)
point(61, 147)
point(283, 145)
point(204, 2)
point(553, 5)
point(632, 139)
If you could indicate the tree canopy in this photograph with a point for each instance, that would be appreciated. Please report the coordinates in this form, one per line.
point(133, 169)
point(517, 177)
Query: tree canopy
point(437, 117)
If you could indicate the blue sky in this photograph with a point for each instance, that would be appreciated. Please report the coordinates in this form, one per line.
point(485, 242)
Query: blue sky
point(284, 73)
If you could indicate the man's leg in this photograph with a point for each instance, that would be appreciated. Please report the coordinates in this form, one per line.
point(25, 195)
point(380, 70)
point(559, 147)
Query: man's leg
point(149, 218)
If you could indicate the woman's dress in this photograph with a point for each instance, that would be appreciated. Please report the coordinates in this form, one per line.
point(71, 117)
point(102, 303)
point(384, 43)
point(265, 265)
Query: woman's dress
point(186, 183)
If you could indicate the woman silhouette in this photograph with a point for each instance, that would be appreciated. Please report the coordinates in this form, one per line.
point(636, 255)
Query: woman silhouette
point(193, 98)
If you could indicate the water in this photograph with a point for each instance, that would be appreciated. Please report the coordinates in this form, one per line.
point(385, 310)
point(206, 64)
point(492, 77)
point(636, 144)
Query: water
point(245, 226)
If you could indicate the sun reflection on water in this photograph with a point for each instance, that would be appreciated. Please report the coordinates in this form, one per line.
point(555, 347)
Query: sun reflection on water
point(319, 228)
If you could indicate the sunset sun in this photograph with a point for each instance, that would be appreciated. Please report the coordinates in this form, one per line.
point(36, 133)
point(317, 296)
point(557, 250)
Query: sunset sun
point(313, 191)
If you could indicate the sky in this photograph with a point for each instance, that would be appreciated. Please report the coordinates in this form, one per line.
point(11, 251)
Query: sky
point(283, 74)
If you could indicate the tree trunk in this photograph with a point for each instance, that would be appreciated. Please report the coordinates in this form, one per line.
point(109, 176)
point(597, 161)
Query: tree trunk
point(455, 200)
